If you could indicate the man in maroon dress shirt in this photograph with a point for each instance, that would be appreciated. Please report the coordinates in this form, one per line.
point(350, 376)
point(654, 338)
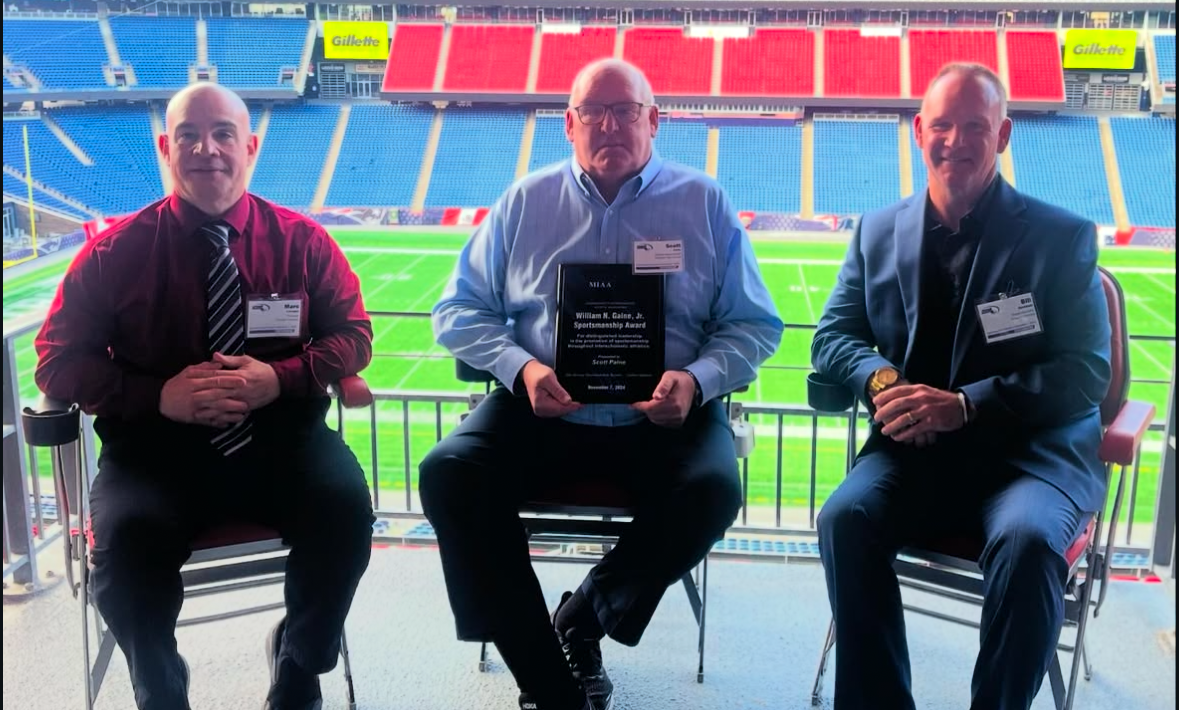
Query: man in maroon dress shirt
point(202, 332)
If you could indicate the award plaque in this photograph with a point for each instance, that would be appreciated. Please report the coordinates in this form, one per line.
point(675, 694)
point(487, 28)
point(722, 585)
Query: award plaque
point(609, 333)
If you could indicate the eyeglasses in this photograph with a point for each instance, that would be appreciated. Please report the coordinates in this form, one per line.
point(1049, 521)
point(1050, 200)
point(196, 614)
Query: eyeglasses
point(625, 112)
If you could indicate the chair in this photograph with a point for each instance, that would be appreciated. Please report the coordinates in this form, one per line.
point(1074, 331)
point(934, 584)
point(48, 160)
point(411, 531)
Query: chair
point(226, 558)
point(949, 568)
point(588, 512)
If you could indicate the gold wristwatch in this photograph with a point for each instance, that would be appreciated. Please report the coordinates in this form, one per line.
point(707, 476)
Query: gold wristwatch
point(881, 380)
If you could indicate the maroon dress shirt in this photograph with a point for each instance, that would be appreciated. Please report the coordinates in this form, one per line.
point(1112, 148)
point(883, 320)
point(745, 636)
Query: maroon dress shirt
point(130, 312)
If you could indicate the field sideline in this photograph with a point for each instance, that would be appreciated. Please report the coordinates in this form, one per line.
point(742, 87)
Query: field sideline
point(404, 271)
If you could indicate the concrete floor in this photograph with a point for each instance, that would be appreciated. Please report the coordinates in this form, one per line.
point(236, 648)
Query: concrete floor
point(766, 623)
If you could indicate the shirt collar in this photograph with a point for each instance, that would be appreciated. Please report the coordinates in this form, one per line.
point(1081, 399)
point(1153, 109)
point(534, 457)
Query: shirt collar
point(974, 220)
point(642, 181)
point(191, 219)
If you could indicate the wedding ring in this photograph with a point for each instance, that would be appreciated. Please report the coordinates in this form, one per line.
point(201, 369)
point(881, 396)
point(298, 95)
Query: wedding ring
point(912, 421)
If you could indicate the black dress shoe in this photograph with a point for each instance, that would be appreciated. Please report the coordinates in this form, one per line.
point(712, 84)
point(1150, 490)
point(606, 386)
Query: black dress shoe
point(291, 687)
point(585, 660)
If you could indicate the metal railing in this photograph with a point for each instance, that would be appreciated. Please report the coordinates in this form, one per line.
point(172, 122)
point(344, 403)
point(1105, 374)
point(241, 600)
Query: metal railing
point(398, 428)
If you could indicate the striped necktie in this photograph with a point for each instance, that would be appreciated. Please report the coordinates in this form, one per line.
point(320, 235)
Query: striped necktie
point(227, 333)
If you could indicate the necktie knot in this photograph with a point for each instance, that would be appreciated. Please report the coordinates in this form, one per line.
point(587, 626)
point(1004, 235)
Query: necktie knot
point(218, 232)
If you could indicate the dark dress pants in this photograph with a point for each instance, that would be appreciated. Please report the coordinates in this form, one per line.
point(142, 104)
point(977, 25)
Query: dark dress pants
point(159, 488)
point(897, 495)
point(473, 482)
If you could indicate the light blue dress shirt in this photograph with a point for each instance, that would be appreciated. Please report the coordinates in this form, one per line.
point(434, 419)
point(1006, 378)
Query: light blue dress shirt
point(499, 309)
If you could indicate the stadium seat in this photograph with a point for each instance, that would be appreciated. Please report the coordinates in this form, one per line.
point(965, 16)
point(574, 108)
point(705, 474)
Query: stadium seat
point(488, 57)
point(690, 73)
point(683, 141)
point(226, 558)
point(760, 167)
point(949, 568)
point(413, 57)
point(1146, 150)
point(476, 158)
point(1058, 159)
point(1034, 67)
point(230, 40)
point(290, 159)
point(857, 65)
point(549, 144)
point(381, 156)
point(771, 62)
point(860, 165)
point(1164, 50)
point(41, 200)
point(930, 50)
point(158, 49)
point(590, 512)
point(563, 55)
point(28, 43)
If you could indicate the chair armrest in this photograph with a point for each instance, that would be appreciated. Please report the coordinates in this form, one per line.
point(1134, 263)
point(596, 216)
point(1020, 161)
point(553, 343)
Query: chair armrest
point(353, 392)
point(824, 395)
point(1123, 437)
point(51, 422)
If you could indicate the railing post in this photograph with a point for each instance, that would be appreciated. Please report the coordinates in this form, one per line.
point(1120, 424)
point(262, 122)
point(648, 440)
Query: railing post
point(1163, 545)
point(18, 526)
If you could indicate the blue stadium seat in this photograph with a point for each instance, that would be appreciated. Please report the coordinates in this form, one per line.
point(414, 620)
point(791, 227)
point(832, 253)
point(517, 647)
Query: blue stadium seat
point(1164, 50)
point(381, 156)
point(760, 167)
point(20, 191)
point(125, 175)
point(549, 144)
point(1146, 161)
point(291, 158)
point(159, 49)
point(234, 44)
point(63, 54)
point(476, 157)
point(1058, 159)
point(685, 142)
point(857, 166)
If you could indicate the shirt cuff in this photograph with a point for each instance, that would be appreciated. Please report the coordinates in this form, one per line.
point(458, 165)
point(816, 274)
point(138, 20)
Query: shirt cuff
point(293, 377)
point(709, 377)
point(508, 365)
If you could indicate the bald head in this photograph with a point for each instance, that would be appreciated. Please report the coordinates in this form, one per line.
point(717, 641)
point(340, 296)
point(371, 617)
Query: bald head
point(209, 147)
point(595, 70)
point(201, 92)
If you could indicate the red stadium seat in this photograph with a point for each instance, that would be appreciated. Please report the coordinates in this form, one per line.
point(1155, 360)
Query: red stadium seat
point(489, 58)
point(413, 58)
point(563, 55)
point(689, 70)
point(930, 50)
point(773, 62)
point(855, 65)
point(1034, 66)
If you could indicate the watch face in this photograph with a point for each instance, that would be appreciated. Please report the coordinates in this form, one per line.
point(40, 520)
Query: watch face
point(887, 377)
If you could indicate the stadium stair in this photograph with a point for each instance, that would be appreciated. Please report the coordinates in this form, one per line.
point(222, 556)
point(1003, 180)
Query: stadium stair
point(718, 66)
point(1113, 174)
point(112, 47)
point(1004, 59)
point(423, 186)
point(808, 169)
point(260, 132)
point(906, 69)
point(526, 143)
point(68, 142)
point(157, 129)
point(300, 80)
point(333, 155)
point(904, 145)
point(620, 44)
point(819, 62)
point(713, 157)
point(55, 194)
point(202, 47)
point(443, 61)
point(534, 63)
point(1007, 164)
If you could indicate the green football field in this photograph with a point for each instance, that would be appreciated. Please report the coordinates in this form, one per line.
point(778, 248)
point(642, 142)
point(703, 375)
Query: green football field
point(405, 271)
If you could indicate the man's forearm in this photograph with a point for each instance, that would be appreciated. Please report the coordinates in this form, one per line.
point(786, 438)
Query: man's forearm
point(324, 362)
point(99, 386)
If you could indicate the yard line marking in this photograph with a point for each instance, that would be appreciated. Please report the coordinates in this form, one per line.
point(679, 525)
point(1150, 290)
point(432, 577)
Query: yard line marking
point(807, 293)
point(1161, 270)
point(1169, 288)
point(405, 271)
point(800, 262)
point(410, 372)
point(428, 294)
point(401, 250)
point(361, 265)
point(1141, 303)
point(1145, 352)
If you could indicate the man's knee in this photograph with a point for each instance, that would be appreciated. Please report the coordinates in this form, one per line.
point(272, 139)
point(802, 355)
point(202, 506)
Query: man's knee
point(1025, 549)
point(843, 522)
point(448, 480)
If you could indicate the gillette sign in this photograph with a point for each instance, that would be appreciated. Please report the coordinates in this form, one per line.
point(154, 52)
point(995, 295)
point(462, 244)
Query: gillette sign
point(1100, 49)
point(355, 40)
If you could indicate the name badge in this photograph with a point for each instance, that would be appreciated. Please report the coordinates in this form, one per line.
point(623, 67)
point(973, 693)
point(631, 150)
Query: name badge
point(664, 256)
point(1009, 317)
point(274, 316)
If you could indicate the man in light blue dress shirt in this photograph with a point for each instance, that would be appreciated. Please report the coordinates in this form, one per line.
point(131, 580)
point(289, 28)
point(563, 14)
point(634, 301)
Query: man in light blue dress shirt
point(674, 452)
